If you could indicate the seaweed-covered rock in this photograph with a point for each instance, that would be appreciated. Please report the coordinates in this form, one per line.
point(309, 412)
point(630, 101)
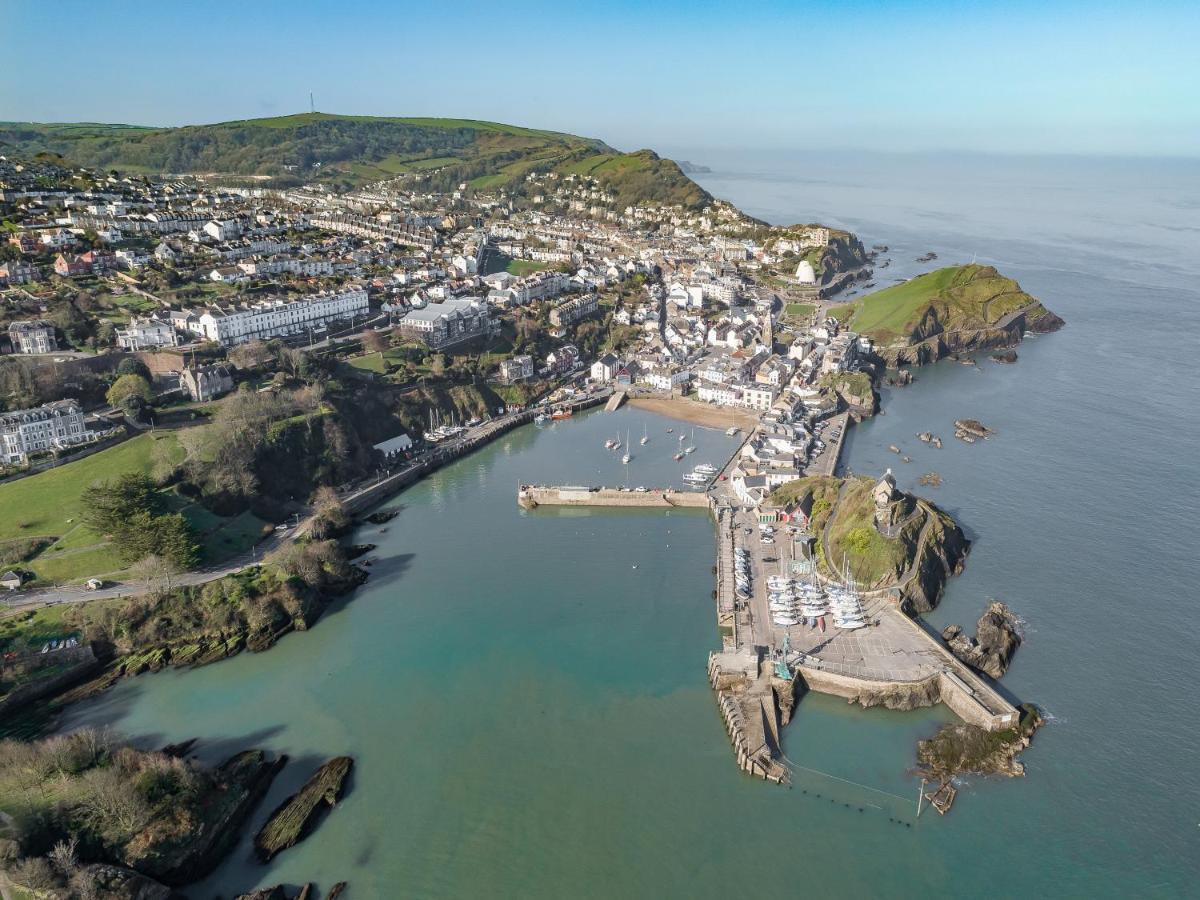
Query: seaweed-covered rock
point(299, 814)
point(960, 749)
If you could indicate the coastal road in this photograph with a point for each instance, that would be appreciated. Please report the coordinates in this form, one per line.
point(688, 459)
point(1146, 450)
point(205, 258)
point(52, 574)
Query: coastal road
point(24, 602)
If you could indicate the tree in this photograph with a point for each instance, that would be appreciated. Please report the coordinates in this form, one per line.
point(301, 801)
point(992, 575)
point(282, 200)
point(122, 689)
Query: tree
point(131, 365)
point(128, 386)
point(374, 342)
point(107, 506)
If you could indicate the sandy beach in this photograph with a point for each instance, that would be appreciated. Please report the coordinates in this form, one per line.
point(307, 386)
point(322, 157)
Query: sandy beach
point(695, 412)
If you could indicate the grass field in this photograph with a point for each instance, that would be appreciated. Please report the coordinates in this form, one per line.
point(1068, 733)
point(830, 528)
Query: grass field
point(522, 267)
point(966, 297)
point(48, 504)
point(894, 310)
point(799, 310)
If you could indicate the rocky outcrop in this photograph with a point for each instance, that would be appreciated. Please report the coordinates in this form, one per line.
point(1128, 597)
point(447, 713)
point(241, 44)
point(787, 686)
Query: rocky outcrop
point(961, 749)
point(1008, 357)
point(901, 697)
point(996, 640)
point(247, 777)
point(972, 428)
point(279, 892)
point(931, 340)
point(942, 555)
point(299, 814)
point(107, 882)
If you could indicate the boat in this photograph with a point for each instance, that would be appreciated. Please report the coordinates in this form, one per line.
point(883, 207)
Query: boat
point(695, 478)
point(678, 456)
point(541, 419)
point(561, 414)
point(645, 436)
point(669, 430)
point(627, 457)
point(732, 431)
point(706, 469)
point(609, 444)
point(616, 442)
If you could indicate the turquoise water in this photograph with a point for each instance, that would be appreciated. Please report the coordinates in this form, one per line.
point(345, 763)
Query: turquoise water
point(530, 713)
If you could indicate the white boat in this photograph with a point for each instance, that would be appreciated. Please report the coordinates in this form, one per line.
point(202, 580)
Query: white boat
point(732, 431)
point(695, 478)
point(627, 457)
point(645, 436)
point(706, 469)
point(541, 419)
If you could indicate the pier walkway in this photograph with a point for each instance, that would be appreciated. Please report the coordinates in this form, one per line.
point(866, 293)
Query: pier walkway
point(531, 496)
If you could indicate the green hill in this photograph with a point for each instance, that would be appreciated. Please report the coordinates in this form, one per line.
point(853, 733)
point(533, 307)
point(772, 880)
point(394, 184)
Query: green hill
point(960, 306)
point(352, 150)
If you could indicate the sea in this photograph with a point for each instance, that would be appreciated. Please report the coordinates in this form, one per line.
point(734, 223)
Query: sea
point(524, 693)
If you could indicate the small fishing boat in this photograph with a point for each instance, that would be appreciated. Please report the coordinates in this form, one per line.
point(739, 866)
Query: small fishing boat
point(678, 456)
point(561, 414)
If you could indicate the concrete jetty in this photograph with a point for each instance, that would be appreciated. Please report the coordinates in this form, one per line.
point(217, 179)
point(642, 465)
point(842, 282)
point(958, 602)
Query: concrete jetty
point(615, 401)
point(532, 496)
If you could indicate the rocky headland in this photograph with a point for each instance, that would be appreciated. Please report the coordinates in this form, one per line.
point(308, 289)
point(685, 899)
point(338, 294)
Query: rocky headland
point(956, 310)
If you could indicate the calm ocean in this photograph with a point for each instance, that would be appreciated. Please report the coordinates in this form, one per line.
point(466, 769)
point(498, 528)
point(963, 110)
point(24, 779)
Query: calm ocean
point(525, 693)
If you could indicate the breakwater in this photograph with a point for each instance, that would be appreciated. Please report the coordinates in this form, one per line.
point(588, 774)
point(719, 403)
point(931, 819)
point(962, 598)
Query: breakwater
point(532, 496)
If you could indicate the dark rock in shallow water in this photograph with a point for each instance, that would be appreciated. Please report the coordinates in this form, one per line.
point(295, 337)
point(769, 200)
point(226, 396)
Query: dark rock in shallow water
point(298, 815)
point(271, 893)
point(382, 516)
point(354, 551)
point(996, 640)
point(1008, 356)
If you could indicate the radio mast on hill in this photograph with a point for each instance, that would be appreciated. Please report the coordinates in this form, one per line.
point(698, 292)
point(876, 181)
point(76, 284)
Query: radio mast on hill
point(311, 106)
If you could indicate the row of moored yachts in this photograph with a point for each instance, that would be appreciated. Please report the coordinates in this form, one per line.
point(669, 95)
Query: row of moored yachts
point(804, 603)
point(794, 602)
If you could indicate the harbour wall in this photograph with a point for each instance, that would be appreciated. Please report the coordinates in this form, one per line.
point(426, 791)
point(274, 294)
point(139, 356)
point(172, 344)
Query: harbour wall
point(532, 496)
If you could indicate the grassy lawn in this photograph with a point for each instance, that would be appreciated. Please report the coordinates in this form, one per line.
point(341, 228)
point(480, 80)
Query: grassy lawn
point(522, 267)
point(894, 310)
point(370, 362)
point(232, 536)
point(966, 297)
point(870, 556)
point(799, 310)
point(840, 312)
point(48, 503)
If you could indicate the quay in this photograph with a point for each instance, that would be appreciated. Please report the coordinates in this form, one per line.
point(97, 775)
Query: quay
point(532, 496)
point(364, 496)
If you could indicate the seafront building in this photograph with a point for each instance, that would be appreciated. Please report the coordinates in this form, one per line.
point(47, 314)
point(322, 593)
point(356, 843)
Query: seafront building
point(55, 426)
point(230, 325)
point(453, 321)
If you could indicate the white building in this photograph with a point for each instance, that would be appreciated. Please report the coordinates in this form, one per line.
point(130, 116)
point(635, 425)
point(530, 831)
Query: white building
point(228, 325)
point(147, 334)
point(54, 426)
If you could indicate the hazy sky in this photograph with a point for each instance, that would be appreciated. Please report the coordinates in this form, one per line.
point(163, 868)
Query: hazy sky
point(1076, 77)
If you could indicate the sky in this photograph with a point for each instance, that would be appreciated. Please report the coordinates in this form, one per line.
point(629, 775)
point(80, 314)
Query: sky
point(1005, 77)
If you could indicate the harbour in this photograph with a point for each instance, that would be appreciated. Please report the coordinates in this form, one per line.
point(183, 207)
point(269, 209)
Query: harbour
point(562, 715)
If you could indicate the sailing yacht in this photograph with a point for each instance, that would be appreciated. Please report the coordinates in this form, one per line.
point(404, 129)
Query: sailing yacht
point(616, 442)
point(645, 436)
point(628, 456)
point(690, 448)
